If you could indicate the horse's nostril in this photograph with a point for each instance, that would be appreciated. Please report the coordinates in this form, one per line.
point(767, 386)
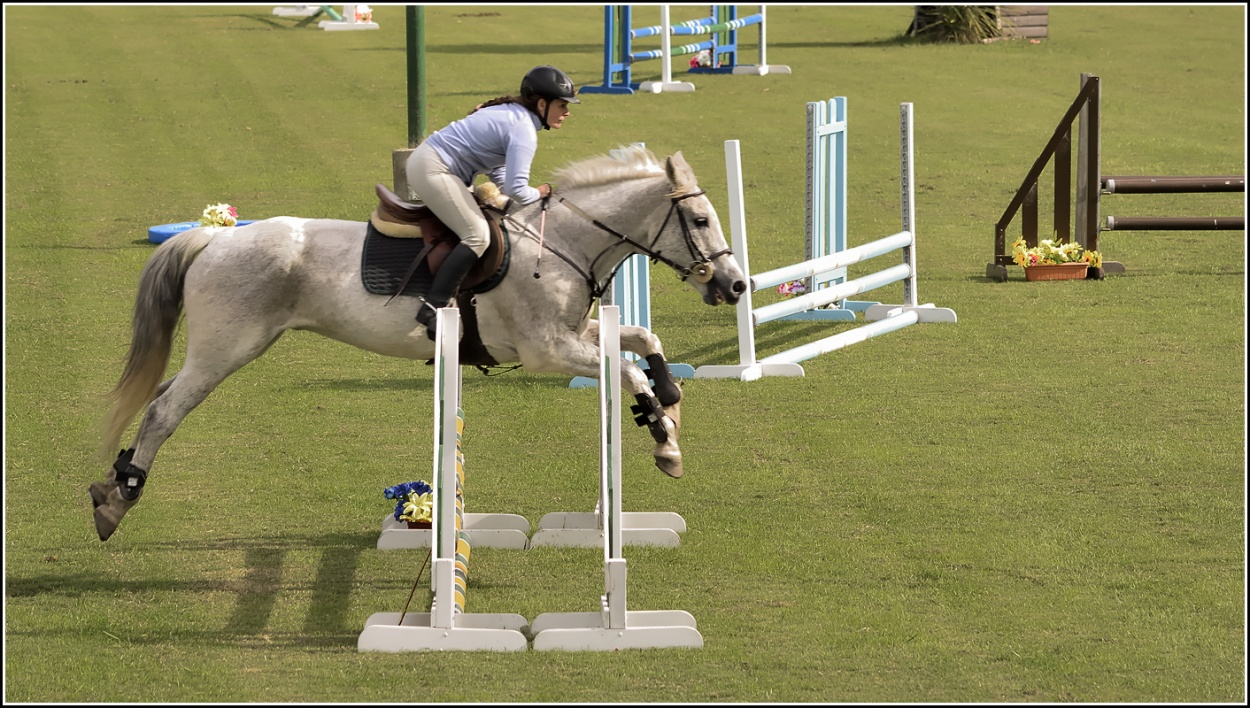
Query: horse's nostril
point(739, 287)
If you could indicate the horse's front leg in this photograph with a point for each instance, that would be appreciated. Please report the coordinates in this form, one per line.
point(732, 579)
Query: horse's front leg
point(659, 406)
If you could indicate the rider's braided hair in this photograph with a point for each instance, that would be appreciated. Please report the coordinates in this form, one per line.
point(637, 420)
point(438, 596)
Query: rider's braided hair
point(532, 104)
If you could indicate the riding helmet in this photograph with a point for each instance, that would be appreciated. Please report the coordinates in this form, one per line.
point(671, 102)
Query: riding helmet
point(548, 82)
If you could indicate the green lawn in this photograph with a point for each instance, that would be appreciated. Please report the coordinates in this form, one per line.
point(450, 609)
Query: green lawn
point(1043, 502)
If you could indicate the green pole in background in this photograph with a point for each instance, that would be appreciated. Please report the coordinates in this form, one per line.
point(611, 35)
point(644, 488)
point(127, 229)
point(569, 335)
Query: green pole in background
point(416, 74)
point(415, 16)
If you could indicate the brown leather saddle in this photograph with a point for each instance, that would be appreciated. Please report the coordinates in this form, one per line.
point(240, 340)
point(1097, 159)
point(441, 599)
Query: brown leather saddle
point(406, 244)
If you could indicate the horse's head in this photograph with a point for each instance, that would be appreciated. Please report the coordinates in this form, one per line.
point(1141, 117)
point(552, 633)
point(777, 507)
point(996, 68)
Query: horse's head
point(693, 241)
point(680, 230)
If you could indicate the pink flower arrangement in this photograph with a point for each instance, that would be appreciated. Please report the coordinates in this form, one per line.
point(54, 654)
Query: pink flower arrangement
point(797, 287)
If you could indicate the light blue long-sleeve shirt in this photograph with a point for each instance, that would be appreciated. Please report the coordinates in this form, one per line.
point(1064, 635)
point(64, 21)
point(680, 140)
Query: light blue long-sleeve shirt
point(498, 141)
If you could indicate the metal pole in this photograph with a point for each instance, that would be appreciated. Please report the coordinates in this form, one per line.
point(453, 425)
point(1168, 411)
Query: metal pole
point(907, 175)
point(1176, 223)
point(1172, 185)
point(415, 15)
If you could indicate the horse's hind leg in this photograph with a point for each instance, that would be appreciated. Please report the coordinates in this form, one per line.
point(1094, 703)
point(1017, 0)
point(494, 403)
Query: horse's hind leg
point(99, 490)
point(205, 368)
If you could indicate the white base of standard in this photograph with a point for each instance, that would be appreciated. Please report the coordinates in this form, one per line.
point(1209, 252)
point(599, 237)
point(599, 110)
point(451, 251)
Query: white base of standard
point(472, 632)
point(574, 529)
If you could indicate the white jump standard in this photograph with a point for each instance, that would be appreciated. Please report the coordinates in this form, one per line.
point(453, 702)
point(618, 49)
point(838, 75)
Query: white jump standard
point(446, 626)
point(612, 626)
point(881, 318)
point(354, 17)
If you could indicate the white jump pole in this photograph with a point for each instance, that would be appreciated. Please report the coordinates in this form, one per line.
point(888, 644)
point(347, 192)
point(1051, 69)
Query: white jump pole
point(587, 529)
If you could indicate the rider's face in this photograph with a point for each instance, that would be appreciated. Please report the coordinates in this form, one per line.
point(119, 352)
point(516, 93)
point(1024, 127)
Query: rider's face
point(557, 111)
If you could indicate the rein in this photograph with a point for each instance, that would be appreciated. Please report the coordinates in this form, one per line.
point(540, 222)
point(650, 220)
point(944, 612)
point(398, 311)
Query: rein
point(700, 267)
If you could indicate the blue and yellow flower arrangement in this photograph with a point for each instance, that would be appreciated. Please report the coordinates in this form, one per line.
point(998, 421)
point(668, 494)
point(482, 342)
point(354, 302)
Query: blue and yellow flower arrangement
point(414, 501)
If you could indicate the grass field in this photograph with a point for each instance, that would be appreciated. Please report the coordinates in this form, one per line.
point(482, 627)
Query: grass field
point(1043, 502)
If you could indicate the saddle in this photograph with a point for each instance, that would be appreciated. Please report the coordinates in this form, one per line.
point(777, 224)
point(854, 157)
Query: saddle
point(406, 244)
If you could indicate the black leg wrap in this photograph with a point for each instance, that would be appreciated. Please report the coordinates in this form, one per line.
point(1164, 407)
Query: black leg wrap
point(665, 387)
point(130, 479)
point(649, 413)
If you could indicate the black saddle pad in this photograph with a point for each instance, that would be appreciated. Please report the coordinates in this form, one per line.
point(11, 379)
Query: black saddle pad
point(386, 260)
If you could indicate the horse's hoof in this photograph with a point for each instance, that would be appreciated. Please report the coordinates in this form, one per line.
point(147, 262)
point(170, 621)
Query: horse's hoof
point(109, 508)
point(99, 493)
point(670, 466)
point(105, 522)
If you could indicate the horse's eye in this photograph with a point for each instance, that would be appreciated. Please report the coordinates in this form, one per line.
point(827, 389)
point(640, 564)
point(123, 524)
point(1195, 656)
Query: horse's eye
point(701, 222)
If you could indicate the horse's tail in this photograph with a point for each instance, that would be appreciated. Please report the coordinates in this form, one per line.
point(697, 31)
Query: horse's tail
point(158, 307)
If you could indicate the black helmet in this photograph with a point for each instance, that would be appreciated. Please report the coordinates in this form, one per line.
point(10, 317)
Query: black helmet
point(548, 82)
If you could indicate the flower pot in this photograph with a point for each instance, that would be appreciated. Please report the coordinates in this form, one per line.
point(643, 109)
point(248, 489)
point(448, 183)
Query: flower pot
point(1056, 271)
point(417, 524)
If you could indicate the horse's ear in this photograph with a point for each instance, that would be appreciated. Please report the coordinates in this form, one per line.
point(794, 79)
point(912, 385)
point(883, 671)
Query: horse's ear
point(680, 174)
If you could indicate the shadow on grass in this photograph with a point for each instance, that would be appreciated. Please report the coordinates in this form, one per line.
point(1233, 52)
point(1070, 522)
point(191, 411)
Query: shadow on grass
point(345, 639)
point(267, 22)
point(365, 385)
point(517, 380)
point(781, 337)
point(257, 592)
point(898, 41)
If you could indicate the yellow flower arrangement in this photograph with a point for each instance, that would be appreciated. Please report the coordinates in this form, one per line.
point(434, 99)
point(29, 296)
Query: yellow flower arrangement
point(1048, 252)
point(419, 508)
point(219, 215)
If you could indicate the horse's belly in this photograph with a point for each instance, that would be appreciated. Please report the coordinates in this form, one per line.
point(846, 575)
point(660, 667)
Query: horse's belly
point(405, 345)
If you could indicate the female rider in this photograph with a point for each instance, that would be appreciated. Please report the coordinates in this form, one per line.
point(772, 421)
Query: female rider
point(498, 138)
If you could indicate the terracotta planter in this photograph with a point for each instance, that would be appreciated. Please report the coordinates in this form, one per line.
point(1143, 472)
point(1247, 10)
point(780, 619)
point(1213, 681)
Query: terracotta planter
point(1056, 271)
point(417, 524)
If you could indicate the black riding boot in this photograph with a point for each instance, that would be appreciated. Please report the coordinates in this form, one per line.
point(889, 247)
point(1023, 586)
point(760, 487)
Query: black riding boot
point(446, 282)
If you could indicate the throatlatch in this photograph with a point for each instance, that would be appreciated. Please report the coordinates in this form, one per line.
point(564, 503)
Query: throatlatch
point(650, 413)
point(130, 479)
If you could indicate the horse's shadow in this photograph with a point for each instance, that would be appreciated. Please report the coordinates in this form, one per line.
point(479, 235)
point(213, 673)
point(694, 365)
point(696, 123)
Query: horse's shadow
point(413, 383)
point(257, 592)
point(725, 350)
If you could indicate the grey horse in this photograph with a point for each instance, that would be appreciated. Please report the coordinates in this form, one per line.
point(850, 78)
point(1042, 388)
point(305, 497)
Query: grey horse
point(242, 287)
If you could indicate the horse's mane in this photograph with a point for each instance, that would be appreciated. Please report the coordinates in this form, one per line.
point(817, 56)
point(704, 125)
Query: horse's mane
point(631, 162)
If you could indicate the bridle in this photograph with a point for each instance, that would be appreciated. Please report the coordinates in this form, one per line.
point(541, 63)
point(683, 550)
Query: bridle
point(700, 268)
